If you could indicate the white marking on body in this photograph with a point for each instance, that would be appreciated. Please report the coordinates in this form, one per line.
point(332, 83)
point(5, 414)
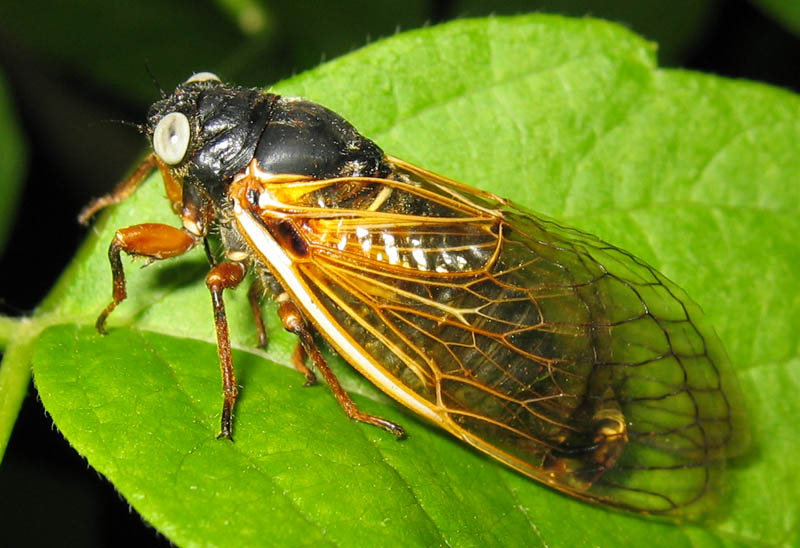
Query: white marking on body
point(421, 258)
point(391, 248)
point(363, 236)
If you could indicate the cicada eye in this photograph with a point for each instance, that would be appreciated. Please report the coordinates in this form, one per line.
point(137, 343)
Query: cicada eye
point(202, 77)
point(171, 138)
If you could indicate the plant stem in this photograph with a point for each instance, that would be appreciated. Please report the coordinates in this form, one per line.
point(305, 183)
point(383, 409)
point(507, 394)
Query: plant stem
point(15, 372)
point(8, 326)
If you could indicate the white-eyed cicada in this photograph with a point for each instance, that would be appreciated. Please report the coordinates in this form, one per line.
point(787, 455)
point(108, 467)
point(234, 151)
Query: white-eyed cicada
point(562, 356)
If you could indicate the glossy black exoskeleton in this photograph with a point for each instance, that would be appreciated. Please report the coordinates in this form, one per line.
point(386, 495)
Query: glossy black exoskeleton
point(231, 126)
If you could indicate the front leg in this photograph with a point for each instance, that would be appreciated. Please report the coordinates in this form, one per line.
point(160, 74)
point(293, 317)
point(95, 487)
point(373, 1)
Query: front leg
point(151, 240)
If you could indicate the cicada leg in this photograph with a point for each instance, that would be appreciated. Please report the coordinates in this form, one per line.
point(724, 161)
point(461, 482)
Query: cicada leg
point(127, 187)
point(299, 355)
point(157, 241)
point(299, 362)
point(226, 275)
point(254, 296)
point(121, 192)
point(154, 241)
point(294, 323)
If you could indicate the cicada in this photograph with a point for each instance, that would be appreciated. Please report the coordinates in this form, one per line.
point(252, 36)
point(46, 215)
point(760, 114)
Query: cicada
point(564, 357)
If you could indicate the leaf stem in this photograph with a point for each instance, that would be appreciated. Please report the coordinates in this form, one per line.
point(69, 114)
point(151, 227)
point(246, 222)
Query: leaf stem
point(8, 327)
point(15, 372)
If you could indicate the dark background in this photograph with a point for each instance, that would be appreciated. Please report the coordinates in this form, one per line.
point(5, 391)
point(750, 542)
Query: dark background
point(72, 68)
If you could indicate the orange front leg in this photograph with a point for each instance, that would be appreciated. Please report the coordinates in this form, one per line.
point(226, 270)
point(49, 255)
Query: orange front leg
point(154, 241)
point(129, 185)
point(123, 190)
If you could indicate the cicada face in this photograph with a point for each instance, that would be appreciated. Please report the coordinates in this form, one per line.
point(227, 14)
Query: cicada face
point(560, 355)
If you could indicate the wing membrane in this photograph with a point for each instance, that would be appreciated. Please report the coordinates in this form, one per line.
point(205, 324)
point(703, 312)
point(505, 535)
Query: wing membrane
point(560, 355)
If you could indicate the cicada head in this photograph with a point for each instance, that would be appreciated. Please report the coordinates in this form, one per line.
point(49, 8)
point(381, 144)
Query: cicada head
point(202, 134)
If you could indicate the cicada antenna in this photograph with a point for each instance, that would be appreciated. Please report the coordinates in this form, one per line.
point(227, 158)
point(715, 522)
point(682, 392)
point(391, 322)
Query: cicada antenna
point(141, 128)
point(154, 79)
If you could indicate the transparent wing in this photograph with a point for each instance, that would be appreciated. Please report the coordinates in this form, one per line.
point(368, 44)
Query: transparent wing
point(562, 356)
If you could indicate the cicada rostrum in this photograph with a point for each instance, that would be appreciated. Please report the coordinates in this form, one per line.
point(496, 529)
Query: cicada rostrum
point(560, 355)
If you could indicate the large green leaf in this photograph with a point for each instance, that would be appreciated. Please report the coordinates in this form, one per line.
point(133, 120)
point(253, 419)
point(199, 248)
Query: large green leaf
point(571, 118)
point(674, 24)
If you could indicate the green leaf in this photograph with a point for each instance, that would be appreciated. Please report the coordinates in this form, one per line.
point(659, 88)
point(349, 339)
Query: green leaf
point(674, 24)
point(571, 118)
point(785, 12)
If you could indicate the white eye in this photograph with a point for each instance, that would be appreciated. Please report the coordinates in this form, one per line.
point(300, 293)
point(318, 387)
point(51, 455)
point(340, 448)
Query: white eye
point(202, 77)
point(171, 138)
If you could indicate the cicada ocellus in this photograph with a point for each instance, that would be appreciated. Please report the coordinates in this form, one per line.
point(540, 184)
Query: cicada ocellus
point(560, 355)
